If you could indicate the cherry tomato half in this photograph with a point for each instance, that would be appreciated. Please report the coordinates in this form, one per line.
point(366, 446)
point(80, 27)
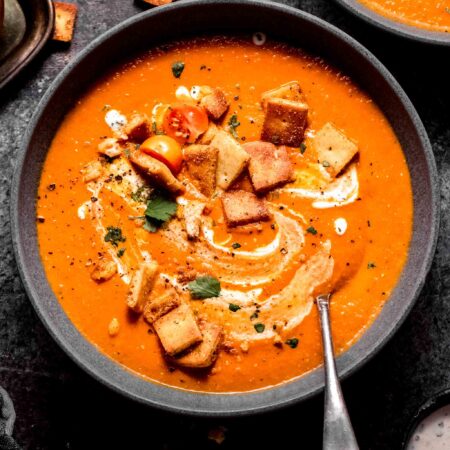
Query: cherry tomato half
point(166, 150)
point(185, 123)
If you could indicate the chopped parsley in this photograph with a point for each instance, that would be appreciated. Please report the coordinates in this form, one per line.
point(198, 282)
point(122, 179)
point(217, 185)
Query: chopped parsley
point(177, 68)
point(233, 123)
point(302, 148)
point(204, 287)
point(254, 315)
point(114, 235)
point(233, 307)
point(120, 252)
point(311, 230)
point(293, 342)
point(259, 327)
point(371, 265)
point(236, 245)
point(160, 209)
point(141, 194)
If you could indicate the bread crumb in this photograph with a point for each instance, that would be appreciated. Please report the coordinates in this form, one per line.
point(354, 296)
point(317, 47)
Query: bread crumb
point(113, 327)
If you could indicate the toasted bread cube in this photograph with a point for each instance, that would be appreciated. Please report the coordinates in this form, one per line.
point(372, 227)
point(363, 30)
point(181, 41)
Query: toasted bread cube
point(157, 171)
point(178, 330)
point(285, 122)
point(215, 103)
point(138, 128)
point(92, 171)
point(141, 285)
point(201, 163)
point(205, 353)
point(209, 134)
point(232, 159)
point(269, 166)
point(334, 148)
point(104, 270)
point(157, 307)
point(110, 147)
point(65, 16)
point(192, 213)
point(242, 207)
point(287, 91)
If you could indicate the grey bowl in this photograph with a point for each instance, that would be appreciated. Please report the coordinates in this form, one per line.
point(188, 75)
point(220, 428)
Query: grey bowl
point(397, 28)
point(191, 18)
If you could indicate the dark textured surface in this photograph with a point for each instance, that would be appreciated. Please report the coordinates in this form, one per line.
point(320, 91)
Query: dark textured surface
point(59, 407)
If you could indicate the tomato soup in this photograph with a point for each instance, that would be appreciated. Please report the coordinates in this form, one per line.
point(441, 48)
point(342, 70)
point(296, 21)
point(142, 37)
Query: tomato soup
point(196, 199)
point(432, 15)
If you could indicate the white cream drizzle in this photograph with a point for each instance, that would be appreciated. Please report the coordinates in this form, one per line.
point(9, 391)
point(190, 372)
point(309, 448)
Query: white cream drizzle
point(340, 226)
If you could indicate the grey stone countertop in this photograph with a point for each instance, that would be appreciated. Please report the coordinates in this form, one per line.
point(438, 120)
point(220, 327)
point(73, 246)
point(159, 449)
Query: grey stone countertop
point(60, 407)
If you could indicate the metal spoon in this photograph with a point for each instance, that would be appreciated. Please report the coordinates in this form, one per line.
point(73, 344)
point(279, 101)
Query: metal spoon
point(338, 432)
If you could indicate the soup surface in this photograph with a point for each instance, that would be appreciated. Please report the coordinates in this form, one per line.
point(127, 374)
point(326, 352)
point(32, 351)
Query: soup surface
point(203, 276)
point(433, 15)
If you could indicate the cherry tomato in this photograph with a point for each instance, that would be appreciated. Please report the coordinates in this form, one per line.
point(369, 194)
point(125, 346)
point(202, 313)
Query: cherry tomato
point(185, 123)
point(166, 150)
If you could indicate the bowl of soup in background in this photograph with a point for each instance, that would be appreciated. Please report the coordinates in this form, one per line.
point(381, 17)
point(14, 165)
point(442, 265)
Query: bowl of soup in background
point(281, 23)
point(426, 21)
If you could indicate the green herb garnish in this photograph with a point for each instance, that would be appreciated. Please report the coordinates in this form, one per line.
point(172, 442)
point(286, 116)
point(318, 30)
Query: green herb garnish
point(259, 327)
point(160, 209)
point(177, 68)
point(325, 164)
point(254, 315)
point(236, 245)
point(371, 265)
point(233, 123)
point(114, 235)
point(311, 230)
point(120, 252)
point(142, 194)
point(293, 342)
point(302, 148)
point(233, 307)
point(204, 287)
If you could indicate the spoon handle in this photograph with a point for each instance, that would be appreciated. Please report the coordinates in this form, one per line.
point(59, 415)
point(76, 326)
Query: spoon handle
point(337, 429)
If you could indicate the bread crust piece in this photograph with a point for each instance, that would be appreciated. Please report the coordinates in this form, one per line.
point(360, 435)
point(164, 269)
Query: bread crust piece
point(242, 208)
point(141, 285)
point(201, 164)
point(138, 128)
point(269, 166)
point(92, 171)
point(216, 104)
point(159, 306)
point(157, 171)
point(334, 149)
point(110, 147)
point(209, 134)
point(192, 213)
point(285, 122)
point(178, 330)
point(203, 354)
point(65, 16)
point(287, 91)
point(104, 270)
point(232, 159)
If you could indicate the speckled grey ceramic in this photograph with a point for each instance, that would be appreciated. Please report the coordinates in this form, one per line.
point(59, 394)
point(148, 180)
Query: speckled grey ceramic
point(191, 18)
point(400, 29)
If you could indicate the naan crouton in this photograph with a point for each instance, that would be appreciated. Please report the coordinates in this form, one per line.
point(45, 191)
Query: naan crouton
point(201, 163)
point(334, 148)
point(209, 134)
point(157, 307)
point(269, 166)
point(65, 16)
point(138, 128)
point(92, 171)
point(285, 122)
point(157, 171)
point(287, 91)
point(215, 103)
point(110, 147)
point(192, 213)
point(205, 353)
point(242, 207)
point(141, 285)
point(232, 159)
point(178, 330)
point(104, 270)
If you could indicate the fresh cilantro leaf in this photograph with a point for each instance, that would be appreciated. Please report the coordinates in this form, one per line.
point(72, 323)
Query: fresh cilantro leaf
point(236, 245)
point(151, 225)
point(259, 327)
point(233, 307)
point(233, 123)
point(114, 235)
point(311, 230)
point(204, 287)
point(177, 68)
point(160, 207)
point(293, 342)
point(302, 148)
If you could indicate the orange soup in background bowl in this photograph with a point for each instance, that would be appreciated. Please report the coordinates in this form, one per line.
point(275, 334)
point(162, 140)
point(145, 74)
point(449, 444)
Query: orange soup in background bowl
point(194, 199)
